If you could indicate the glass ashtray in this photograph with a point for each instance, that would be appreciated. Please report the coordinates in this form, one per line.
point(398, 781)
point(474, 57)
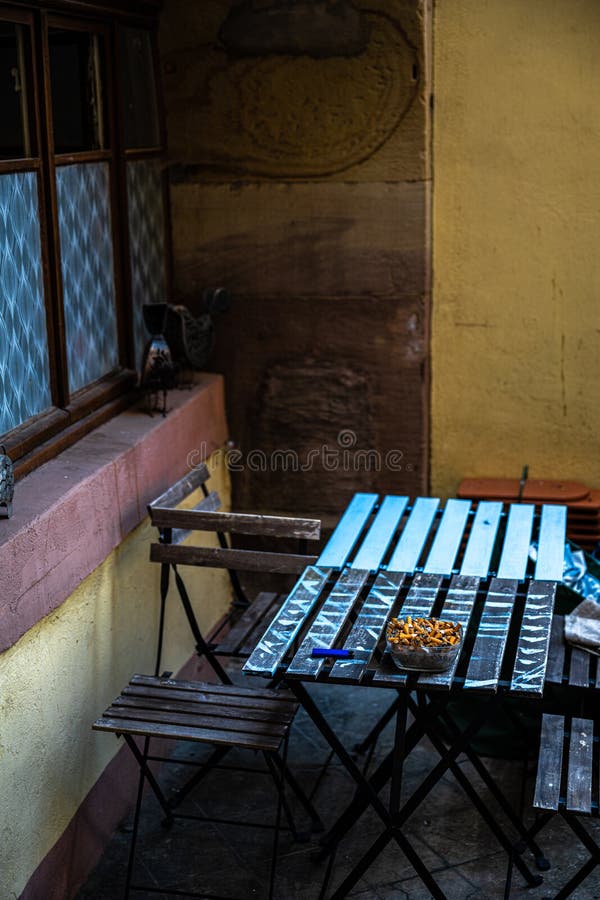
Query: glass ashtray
point(423, 645)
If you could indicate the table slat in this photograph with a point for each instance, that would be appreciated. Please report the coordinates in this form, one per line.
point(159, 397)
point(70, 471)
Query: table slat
point(369, 626)
point(517, 541)
point(448, 538)
point(328, 623)
point(579, 782)
point(458, 607)
point(346, 533)
point(547, 790)
point(282, 631)
point(412, 540)
point(380, 534)
point(490, 643)
point(480, 545)
point(551, 544)
point(579, 670)
point(534, 639)
point(419, 602)
point(556, 652)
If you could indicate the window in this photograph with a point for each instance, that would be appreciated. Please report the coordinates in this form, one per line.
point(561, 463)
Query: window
point(76, 83)
point(139, 107)
point(82, 221)
point(16, 132)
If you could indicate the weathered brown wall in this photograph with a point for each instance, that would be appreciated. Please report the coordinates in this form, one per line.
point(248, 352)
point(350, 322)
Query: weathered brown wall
point(299, 180)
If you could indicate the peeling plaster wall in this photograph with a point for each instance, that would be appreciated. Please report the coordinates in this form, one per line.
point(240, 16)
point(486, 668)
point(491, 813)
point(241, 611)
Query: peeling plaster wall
point(516, 231)
point(299, 180)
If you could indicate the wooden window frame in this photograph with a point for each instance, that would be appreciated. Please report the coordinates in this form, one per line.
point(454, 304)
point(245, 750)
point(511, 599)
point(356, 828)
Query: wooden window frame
point(73, 415)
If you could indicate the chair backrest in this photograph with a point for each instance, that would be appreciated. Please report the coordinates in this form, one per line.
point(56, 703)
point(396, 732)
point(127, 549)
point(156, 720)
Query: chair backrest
point(176, 524)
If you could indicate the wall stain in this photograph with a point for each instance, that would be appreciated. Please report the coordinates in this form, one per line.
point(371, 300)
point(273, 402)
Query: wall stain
point(277, 114)
point(563, 383)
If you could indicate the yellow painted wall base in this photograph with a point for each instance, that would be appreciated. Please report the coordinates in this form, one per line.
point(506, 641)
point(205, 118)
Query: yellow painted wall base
point(64, 672)
point(516, 232)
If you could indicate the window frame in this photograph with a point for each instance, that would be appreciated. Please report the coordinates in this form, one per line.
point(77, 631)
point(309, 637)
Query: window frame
point(72, 415)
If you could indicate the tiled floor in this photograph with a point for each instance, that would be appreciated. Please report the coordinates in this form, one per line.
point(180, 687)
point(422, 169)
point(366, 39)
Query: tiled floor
point(233, 862)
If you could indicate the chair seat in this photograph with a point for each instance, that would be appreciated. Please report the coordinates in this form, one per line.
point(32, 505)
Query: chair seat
point(248, 628)
point(565, 767)
point(566, 784)
point(225, 715)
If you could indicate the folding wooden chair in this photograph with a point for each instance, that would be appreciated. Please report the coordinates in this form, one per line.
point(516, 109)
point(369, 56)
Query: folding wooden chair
point(247, 619)
point(223, 716)
point(566, 784)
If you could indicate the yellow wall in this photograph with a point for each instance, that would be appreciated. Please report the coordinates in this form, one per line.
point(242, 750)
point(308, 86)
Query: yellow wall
point(61, 675)
point(516, 240)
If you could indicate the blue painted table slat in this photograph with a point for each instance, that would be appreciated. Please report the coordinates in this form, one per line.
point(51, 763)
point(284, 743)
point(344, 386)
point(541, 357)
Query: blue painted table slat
point(414, 535)
point(448, 538)
point(381, 532)
point(517, 541)
point(551, 544)
point(482, 538)
point(340, 544)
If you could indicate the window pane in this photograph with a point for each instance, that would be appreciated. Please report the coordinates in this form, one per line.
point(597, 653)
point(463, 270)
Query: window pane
point(87, 271)
point(24, 372)
point(139, 90)
point(16, 132)
point(76, 82)
point(146, 241)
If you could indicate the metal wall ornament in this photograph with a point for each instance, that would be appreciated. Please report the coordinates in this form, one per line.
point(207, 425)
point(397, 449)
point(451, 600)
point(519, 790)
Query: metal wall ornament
point(191, 338)
point(7, 484)
point(158, 374)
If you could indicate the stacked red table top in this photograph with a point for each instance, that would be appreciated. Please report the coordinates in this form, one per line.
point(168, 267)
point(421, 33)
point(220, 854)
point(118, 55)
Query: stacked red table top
point(582, 502)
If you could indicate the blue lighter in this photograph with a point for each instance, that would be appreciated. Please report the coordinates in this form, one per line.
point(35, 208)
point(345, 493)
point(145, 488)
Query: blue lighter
point(321, 652)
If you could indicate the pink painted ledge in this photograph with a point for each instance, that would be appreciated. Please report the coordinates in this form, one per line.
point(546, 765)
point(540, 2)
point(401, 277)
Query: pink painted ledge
point(72, 512)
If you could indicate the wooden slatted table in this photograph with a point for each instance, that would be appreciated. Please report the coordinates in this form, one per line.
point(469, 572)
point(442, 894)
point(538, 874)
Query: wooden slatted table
point(466, 562)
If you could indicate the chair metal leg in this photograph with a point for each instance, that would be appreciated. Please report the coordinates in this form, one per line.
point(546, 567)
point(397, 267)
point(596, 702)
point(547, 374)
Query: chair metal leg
point(136, 823)
point(277, 771)
point(280, 782)
point(164, 590)
point(202, 648)
point(142, 760)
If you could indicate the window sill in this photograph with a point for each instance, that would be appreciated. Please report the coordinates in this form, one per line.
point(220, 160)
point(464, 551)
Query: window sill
point(70, 513)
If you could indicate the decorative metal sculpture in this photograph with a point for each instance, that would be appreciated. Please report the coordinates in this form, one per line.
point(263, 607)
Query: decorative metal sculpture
point(192, 338)
point(158, 371)
point(7, 484)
